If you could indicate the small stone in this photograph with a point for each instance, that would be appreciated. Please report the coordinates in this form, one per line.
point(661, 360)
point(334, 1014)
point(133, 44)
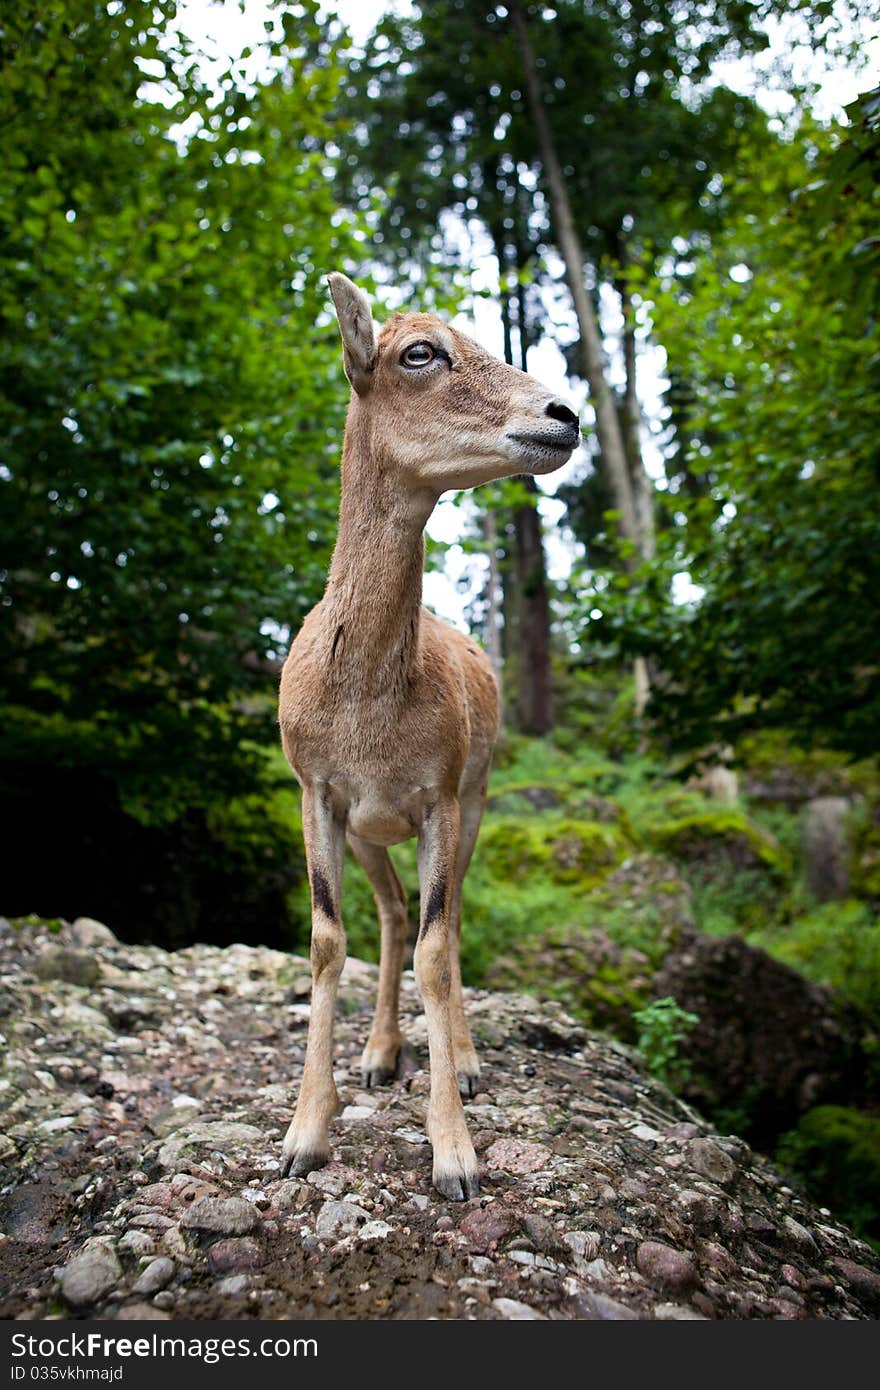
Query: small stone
point(93, 1272)
point(89, 934)
point(517, 1312)
point(793, 1277)
point(668, 1268)
point(234, 1285)
point(157, 1194)
point(239, 1252)
point(231, 1216)
point(486, 1226)
point(598, 1307)
point(357, 1112)
point(865, 1282)
point(156, 1275)
point(542, 1233)
point(375, 1230)
point(137, 1243)
point(517, 1156)
point(708, 1159)
point(799, 1236)
point(288, 1193)
point(65, 963)
point(584, 1245)
point(338, 1218)
point(677, 1312)
point(138, 1312)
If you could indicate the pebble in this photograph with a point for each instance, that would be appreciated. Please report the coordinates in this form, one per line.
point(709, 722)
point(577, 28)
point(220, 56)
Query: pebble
point(234, 1285)
point(516, 1311)
point(598, 1307)
point(517, 1156)
point(137, 1243)
point(866, 1281)
point(91, 1273)
point(668, 1268)
point(156, 1275)
point(707, 1158)
point(141, 1312)
point(486, 1226)
point(338, 1218)
point(231, 1216)
point(375, 1230)
point(677, 1312)
point(239, 1252)
point(583, 1244)
point(65, 963)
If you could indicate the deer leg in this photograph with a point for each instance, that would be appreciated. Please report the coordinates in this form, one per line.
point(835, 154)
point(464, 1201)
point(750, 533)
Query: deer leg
point(455, 1163)
point(467, 1064)
point(307, 1144)
point(381, 1055)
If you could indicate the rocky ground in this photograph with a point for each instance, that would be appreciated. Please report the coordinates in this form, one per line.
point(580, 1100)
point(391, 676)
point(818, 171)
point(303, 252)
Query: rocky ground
point(145, 1095)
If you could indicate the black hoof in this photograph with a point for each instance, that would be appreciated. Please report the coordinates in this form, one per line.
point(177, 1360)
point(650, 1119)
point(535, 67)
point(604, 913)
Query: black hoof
point(458, 1189)
point(379, 1076)
point(383, 1076)
point(468, 1084)
point(298, 1165)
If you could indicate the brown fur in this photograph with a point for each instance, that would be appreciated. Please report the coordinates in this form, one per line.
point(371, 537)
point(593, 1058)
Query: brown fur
point(388, 715)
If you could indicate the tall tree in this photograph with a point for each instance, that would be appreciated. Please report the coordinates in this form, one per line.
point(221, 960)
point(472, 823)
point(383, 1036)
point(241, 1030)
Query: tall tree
point(776, 333)
point(168, 400)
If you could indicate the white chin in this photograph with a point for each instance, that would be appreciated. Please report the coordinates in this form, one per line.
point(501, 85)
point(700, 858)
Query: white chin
point(539, 460)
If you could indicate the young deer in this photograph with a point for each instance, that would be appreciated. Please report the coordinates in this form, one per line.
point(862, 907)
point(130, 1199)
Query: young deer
point(389, 716)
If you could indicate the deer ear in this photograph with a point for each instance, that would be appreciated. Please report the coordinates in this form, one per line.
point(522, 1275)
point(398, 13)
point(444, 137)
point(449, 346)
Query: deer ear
point(356, 327)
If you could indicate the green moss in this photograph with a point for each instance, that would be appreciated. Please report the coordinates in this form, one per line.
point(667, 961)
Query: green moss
point(53, 925)
point(865, 831)
point(598, 981)
point(799, 773)
point(707, 833)
point(582, 851)
point(510, 850)
point(836, 944)
point(835, 1152)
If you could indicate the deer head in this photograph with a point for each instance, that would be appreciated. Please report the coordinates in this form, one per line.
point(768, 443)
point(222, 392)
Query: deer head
point(439, 410)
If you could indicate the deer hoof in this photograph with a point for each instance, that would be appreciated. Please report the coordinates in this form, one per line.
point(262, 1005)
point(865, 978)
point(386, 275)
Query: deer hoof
point(378, 1069)
point(468, 1084)
point(379, 1076)
point(459, 1188)
point(297, 1165)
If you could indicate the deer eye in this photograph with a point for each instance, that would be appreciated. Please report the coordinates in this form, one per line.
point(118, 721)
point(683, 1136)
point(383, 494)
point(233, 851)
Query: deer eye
point(417, 355)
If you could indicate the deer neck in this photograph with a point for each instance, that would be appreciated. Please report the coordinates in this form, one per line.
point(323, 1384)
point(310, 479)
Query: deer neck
point(372, 606)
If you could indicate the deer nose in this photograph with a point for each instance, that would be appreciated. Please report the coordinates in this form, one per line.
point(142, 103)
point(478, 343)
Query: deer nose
point(558, 410)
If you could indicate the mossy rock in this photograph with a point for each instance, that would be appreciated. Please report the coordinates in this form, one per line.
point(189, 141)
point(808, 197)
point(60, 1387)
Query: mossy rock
point(582, 851)
point(707, 837)
point(525, 797)
point(778, 773)
point(596, 979)
point(835, 1152)
point(866, 855)
point(510, 851)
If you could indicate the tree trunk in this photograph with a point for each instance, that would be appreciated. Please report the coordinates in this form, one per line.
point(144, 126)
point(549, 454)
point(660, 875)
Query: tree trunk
point(608, 429)
point(632, 420)
point(534, 685)
point(611, 439)
point(493, 602)
point(525, 602)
